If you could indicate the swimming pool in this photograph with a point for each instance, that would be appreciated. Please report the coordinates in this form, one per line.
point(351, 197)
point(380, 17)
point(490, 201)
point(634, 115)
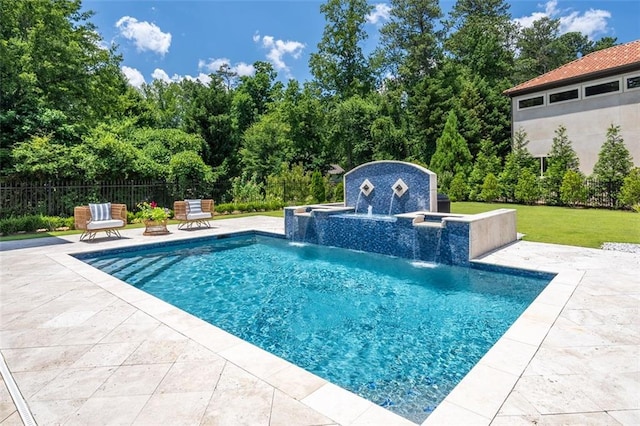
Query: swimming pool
point(398, 333)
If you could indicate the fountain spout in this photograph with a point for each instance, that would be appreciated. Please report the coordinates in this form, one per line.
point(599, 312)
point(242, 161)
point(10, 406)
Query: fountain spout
point(370, 210)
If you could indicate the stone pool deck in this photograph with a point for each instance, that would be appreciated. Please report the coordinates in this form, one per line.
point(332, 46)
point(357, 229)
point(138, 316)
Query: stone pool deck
point(81, 347)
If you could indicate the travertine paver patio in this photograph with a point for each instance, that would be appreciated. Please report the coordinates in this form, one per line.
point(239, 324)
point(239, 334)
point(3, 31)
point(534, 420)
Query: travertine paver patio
point(84, 348)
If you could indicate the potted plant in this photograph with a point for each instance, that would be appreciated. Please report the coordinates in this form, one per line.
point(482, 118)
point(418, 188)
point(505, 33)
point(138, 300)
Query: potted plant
point(154, 218)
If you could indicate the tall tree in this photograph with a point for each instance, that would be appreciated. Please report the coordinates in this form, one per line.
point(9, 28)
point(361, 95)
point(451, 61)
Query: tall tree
point(339, 66)
point(52, 62)
point(542, 48)
point(433, 98)
point(208, 113)
point(452, 155)
point(562, 158)
point(266, 146)
point(480, 37)
point(410, 42)
point(603, 43)
point(614, 162)
point(306, 117)
point(166, 103)
point(518, 161)
point(486, 162)
point(351, 139)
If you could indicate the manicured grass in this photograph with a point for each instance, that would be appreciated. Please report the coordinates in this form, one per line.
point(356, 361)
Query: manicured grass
point(557, 225)
point(562, 225)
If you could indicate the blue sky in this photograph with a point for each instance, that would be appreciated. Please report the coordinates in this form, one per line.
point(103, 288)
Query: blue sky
point(176, 39)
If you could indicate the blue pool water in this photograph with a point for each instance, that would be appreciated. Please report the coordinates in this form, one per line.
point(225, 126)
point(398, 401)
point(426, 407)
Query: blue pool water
point(399, 334)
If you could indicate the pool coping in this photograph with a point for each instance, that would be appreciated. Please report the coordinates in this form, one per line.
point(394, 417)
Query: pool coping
point(477, 399)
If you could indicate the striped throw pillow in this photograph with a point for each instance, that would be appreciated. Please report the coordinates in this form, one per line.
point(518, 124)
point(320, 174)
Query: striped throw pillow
point(194, 206)
point(100, 211)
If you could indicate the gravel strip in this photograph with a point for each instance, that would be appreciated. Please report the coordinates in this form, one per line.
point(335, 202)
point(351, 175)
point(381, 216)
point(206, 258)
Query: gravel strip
point(626, 247)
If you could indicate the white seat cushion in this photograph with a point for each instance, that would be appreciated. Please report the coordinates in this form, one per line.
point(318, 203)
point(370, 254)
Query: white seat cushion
point(201, 215)
point(104, 224)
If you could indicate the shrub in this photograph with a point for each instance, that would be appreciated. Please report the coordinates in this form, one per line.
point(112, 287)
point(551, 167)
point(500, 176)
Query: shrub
point(573, 190)
point(244, 190)
point(527, 189)
point(490, 188)
point(32, 223)
point(338, 192)
point(256, 206)
point(459, 190)
point(630, 191)
point(317, 188)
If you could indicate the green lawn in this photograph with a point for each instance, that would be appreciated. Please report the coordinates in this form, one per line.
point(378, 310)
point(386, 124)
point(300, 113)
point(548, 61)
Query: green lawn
point(562, 225)
point(559, 225)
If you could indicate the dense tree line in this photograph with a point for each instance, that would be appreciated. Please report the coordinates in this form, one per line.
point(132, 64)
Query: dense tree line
point(431, 93)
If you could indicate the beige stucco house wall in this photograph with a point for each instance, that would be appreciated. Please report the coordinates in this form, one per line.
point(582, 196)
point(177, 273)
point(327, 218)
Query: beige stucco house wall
point(586, 100)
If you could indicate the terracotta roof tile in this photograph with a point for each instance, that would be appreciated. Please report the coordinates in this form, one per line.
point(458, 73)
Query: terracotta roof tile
point(595, 62)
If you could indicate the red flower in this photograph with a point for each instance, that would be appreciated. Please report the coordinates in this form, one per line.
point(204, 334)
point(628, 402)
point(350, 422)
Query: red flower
point(153, 204)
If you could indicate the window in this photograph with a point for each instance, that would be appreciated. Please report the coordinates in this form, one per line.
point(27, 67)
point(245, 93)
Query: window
point(531, 102)
point(599, 89)
point(543, 164)
point(633, 82)
point(564, 96)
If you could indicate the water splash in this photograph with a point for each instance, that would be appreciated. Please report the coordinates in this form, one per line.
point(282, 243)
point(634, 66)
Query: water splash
point(426, 265)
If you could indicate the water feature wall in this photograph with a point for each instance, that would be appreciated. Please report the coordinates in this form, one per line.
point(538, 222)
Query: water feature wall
point(389, 209)
point(382, 177)
point(423, 236)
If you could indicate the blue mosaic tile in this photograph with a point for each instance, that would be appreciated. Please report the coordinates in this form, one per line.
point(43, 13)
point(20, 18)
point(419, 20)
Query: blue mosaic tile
point(382, 232)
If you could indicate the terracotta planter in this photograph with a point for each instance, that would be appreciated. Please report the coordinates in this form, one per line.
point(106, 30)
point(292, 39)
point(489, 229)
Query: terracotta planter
point(155, 227)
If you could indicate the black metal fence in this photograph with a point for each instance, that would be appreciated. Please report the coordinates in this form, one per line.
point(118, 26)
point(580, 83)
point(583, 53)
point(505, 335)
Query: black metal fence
point(601, 195)
point(59, 198)
point(19, 198)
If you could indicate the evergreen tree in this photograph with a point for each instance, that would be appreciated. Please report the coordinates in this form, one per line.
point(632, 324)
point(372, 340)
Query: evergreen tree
point(410, 42)
point(317, 187)
point(486, 162)
point(490, 188)
point(452, 155)
point(614, 162)
point(562, 158)
point(528, 187)
point(518, 160)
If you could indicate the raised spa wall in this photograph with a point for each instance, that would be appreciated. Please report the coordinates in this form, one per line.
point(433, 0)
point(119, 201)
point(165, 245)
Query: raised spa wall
point(390, 208)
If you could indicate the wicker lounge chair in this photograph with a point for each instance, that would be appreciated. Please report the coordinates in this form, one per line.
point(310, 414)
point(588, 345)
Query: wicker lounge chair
point(193, 212)
point(105, 217)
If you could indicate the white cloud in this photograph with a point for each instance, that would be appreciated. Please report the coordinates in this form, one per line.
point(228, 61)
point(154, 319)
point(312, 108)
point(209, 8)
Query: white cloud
point(380, 13)
point(160, 74)
point(214, 64)
point(279, 48)
point(243, 69)
point(135, 77)
point(590, 23)
point(202, 78)
point(145, 35)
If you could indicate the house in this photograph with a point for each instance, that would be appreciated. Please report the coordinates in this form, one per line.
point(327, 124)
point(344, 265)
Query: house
point(586, 96)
